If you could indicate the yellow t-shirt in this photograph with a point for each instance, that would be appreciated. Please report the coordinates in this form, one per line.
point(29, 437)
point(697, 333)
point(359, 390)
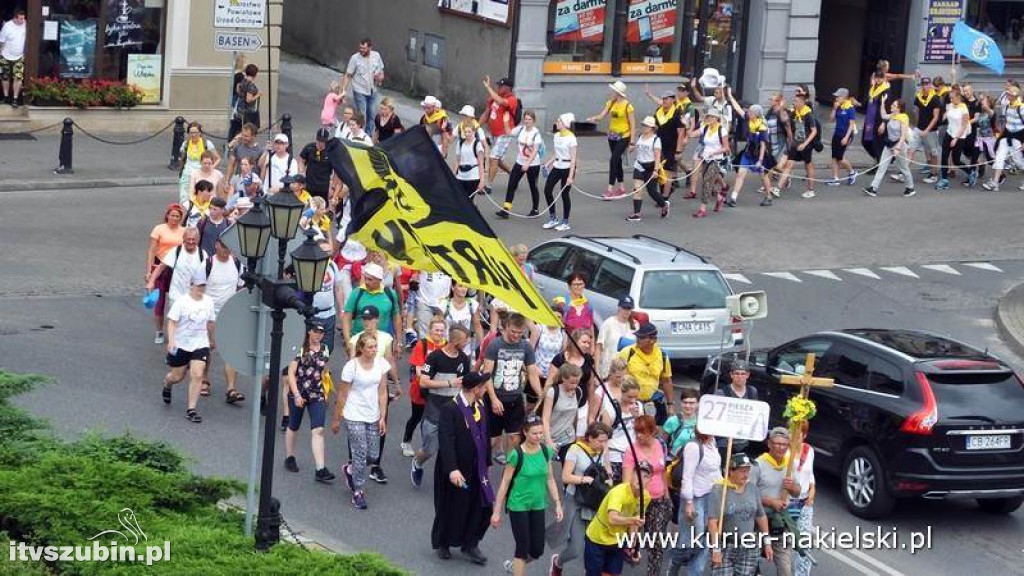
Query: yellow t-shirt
point(619, 112)
point(646, 369)
point(620, 499)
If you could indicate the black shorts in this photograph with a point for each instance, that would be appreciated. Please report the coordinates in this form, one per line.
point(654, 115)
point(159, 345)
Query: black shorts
point(511, 422)
point(671, 165)
point(838, 148)
point(183, 357)
point(797, 156)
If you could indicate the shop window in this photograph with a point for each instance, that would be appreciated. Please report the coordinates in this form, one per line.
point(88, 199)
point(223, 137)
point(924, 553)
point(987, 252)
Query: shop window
point(652, 37)
point(105, 39)
point(577, 37)
point(1003, 21)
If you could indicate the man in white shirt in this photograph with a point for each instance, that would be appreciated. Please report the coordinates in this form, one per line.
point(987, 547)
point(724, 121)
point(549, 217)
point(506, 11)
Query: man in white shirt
point(365, 72)
point(223, 279)
point(277, 163)
point(612, 330)
point(12, 58)
point(190, 337)
point(185, 262)
point(434, 289)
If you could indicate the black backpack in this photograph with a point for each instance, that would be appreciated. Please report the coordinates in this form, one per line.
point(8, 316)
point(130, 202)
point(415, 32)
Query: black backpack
point(589, 496)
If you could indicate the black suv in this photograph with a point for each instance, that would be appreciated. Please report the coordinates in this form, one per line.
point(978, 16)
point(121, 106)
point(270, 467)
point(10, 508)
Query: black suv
point(911, 414)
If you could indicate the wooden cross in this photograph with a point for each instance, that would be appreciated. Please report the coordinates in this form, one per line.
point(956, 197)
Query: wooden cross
point(805, 381)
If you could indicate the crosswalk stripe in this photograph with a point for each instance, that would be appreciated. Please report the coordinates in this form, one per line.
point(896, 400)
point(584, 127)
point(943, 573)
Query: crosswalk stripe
point(828, 274)
point(901, 270)
point(983, 266)
point(945, 268)
point(863, 272)
point(783, 275)
point(737, 278)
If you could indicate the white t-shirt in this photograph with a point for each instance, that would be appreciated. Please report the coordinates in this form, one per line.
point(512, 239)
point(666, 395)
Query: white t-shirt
point(713, 142)
point(363, 138)
point(223, 281)
point(343, 132)
point(608, 337)
point(434, 288)
point(279, 168)
point(805, 472)
point(645, 147)
point(191, 316)
point(527, 140)
point(324, 298)
point(955, 117)
point(723, 108)
point(362, 404)
point(12, 37)
point(185, 268)
point(463, 317)
point(563, 146)
point(467, 157)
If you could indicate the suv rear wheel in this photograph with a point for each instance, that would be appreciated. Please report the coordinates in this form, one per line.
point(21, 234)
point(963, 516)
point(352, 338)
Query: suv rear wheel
point(1000, 505)
point(865, 490)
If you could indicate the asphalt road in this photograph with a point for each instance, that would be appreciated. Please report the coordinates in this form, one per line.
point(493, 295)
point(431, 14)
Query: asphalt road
point(82, 279)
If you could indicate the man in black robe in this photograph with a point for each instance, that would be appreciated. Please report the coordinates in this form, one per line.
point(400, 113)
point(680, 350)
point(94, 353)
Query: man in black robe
point(463, 495)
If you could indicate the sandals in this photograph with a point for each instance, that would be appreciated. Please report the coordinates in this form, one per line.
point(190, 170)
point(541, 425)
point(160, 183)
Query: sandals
point(233, 396)
point(204, 390)
point(166, 393)
point(193, 416)
point(689, 196)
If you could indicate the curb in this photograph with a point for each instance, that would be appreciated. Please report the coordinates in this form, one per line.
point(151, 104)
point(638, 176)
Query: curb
point(1010, 319)
point(298, 535)
point(54, 184)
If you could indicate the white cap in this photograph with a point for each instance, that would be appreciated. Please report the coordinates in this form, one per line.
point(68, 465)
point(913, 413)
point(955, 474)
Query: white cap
point(467, 110)
point(373, 270)
point(567, 119)
point(431, 101)
point(352, 251)
point(281, 138)
point(649, 122)
point(710, 78)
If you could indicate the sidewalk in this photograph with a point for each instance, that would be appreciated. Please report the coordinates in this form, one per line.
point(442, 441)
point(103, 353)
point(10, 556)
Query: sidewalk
point(1010, 319)
point(29, 164)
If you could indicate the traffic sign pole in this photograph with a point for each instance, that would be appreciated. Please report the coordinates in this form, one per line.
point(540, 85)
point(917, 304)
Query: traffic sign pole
point(257, 392)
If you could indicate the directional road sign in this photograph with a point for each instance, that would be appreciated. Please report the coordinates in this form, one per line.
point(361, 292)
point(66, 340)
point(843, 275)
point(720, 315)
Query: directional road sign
point(236, 333)
point(240, 14)
point(236, 41)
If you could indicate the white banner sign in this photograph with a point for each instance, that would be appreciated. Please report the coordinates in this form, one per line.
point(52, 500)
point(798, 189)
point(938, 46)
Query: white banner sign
point(736, 418)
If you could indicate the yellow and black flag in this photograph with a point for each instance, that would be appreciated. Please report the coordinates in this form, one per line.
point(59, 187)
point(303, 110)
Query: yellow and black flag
point(406, 203)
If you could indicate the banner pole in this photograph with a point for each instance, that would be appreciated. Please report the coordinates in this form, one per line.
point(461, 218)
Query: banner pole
point(725, 488)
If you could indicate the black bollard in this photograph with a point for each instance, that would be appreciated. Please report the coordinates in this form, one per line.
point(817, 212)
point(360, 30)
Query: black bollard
point(64, 164)
point(286, 129)
point(176, 142)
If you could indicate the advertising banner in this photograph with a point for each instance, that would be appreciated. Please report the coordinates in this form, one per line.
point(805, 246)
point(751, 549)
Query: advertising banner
point(651, 21)
point(938, 41)
point(580, 20)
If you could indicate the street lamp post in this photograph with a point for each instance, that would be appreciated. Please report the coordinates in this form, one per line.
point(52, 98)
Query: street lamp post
point(278, 293)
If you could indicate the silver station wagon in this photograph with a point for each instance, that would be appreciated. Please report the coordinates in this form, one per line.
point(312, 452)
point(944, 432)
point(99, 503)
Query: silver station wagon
point(680, 292)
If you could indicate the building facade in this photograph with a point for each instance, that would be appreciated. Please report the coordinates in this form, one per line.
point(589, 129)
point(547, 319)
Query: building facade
point(165, 47)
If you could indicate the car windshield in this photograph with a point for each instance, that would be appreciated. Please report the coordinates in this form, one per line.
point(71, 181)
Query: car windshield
point(683, 290)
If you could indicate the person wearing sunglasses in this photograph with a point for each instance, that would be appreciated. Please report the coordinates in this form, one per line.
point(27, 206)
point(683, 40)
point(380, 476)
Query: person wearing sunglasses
point(649, 366)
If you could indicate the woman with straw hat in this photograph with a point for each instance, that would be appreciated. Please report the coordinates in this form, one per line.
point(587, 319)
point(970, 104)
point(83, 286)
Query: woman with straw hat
point(620, 135)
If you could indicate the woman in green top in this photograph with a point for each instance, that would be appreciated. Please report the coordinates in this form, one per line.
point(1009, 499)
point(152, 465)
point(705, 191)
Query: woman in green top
point(681, 428)
point(527, 483)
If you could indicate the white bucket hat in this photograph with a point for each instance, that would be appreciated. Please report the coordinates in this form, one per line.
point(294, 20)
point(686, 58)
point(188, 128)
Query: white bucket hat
point(468, 111)
point(710, 78)
point(618, 87)
point(431, 101)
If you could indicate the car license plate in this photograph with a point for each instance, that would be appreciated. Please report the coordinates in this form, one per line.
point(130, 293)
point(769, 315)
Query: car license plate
point(693, 327)
point(989, 442)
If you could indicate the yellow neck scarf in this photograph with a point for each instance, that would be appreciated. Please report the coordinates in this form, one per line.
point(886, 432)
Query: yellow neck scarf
point(664, 117)
point(925, 97)
point(195, 149)
point(901, 117)
point(876, 91)
point(756, 125)
point(578, 302)
point(435, 116)
point(565, 132)
point(802, 112)
point(771, 461)
point(725, 482)
point(944, 90)
point(845, 105)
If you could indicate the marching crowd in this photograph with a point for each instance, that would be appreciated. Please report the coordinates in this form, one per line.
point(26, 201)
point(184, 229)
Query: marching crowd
point(581, 418)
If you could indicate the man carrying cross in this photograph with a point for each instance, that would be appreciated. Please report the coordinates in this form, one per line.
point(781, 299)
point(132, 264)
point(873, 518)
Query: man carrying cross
point(776, 488)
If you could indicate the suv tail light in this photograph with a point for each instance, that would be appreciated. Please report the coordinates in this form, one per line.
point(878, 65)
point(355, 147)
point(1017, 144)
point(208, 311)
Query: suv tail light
point(923, 420)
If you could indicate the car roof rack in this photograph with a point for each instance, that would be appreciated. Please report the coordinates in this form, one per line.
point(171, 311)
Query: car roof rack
point(678, 249)
point(609, 247)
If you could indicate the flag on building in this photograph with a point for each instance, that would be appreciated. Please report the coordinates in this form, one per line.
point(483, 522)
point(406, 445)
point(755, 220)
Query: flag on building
point(406, 203)
point(976, 46)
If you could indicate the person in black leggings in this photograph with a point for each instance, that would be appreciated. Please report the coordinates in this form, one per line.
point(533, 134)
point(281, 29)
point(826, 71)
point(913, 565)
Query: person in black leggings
point(620, 136)
point(529, 140)
point(563, 173)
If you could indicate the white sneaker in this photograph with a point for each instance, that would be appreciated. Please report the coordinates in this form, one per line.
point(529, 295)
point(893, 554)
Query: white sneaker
point(550, 224)
point(991, 186)
point(808, 194)
point(563, 226)
point(897, 177)
point(160, 338)
point(776, 192)
point(407, 450)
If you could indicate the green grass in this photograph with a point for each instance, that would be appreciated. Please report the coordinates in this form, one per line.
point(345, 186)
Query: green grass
point(55, 493)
